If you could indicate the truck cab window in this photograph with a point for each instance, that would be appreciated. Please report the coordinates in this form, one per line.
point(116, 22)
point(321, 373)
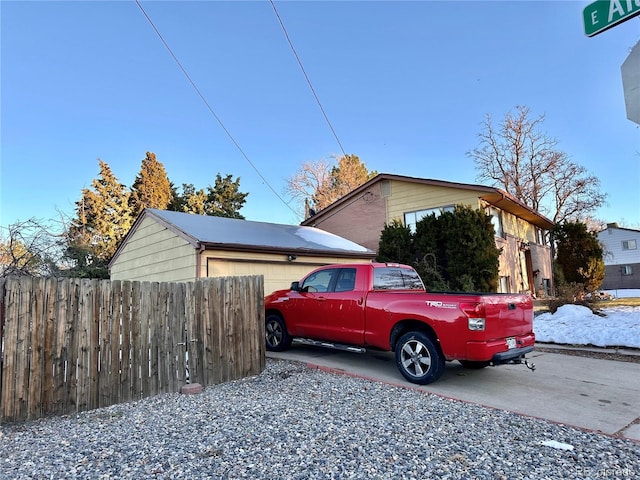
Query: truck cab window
point(393, 278)
point(319, 281)
point(346, 280)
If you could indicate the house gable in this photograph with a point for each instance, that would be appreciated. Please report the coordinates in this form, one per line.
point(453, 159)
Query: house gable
point(153, 252)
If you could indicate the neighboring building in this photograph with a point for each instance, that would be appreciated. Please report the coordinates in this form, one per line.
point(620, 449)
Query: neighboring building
point(621, 257)
point(360, 216)
point(164, 246)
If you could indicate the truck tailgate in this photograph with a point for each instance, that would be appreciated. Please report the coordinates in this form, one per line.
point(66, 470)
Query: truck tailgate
point(508, 315)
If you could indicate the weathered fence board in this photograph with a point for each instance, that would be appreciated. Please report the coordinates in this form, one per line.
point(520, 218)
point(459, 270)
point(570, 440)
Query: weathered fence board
point(76, 344)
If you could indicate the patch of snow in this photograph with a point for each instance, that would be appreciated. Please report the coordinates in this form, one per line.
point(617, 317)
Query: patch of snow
point(557, 445)
point(578, 325)
point(624, 292)
point(327, 239)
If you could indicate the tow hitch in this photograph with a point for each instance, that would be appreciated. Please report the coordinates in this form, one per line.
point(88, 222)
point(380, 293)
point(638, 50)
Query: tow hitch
point(514, 358)
point(521, 360)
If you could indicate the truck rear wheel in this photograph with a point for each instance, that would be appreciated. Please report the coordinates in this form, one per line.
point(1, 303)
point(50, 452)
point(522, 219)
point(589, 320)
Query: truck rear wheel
point(419, 358)
point(276, 336)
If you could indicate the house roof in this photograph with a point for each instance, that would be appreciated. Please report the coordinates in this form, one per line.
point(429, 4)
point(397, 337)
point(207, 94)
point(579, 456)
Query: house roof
point(209, 232)
point(614, 226)
point(492, 195)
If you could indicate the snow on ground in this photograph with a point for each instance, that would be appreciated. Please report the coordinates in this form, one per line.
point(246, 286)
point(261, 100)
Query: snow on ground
point(577, 325)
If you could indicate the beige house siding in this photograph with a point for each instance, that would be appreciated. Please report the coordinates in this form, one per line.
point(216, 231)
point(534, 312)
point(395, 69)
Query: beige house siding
point(278, 272)
point(410, 197)
point(518, 227)
point(156, 254)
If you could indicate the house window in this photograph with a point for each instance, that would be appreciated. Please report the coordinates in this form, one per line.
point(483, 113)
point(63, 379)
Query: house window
point(541, 237)
point(629, 245)
point(412, 218)
point(627, 270)
point(496, 221)
point(503, 285)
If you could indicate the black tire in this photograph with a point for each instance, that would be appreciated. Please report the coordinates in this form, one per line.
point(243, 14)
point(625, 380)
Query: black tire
point(471, 365)
point(419, 358)
point(276, 336)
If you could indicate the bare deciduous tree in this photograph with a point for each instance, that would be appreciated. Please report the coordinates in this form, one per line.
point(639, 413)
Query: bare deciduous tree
point(317, 184)
point(29, 248)
point(518, 157)
point(310, 182)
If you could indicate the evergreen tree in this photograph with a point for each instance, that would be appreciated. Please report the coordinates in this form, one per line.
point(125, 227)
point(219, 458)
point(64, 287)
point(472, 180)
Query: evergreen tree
point(453, 251)
point(471, 257)
point(192, 200)
point(151, 188)
point(223, 199)
point(430, 252)
point(103, 218)
point(579, 255)
point(348, 175)
point(427, 242)
point(395, 244)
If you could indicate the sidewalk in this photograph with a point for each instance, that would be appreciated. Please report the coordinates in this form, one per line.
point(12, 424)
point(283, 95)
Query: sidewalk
point(584, 348)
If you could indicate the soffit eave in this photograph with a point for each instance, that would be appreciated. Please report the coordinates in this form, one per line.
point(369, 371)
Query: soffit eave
point(233, 247)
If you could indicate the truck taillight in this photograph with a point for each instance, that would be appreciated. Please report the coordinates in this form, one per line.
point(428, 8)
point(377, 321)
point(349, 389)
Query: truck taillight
point(475, 313)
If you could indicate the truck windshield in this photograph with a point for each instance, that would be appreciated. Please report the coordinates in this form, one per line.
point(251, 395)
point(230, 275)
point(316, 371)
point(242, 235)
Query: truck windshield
point(394, 278)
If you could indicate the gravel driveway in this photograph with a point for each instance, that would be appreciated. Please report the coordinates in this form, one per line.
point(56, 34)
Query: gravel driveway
point(292, 422)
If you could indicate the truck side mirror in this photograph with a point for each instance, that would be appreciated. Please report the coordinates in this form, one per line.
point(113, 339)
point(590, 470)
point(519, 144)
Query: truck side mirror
point(295, 286)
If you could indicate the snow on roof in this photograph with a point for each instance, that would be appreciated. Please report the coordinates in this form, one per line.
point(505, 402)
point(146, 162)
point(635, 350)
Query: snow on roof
point(210, 230)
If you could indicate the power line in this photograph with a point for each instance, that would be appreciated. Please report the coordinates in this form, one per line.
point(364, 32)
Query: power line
point(286, 34)
point(195, 87)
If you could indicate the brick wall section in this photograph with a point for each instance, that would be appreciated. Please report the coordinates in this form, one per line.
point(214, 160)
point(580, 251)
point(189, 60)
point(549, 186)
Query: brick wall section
point(361, 220)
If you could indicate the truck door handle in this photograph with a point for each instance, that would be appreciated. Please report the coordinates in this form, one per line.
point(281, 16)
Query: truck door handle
point(360, 301)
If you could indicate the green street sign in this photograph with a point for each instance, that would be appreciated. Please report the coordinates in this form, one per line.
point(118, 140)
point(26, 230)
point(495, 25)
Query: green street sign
point(601, 15)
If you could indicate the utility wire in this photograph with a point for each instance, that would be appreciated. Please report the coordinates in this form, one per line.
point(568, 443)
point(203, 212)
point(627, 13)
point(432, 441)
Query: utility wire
point(195, 87)
point(286, 34)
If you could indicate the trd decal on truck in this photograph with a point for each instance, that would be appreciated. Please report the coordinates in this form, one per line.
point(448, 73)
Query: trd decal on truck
point(433, 303)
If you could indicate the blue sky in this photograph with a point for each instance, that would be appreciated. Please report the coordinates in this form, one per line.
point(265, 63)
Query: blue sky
point(404, 84)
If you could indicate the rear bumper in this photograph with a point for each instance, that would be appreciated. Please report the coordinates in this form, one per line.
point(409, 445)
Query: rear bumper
point(510, 355)
point(498, 352)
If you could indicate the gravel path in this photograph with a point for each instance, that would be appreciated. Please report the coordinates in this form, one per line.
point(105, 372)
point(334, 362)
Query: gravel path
point(292, 422)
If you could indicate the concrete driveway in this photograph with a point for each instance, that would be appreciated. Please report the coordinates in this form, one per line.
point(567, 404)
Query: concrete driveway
point(589, 393)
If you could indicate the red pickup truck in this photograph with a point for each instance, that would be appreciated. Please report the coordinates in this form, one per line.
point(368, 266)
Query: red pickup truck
point(386, 307)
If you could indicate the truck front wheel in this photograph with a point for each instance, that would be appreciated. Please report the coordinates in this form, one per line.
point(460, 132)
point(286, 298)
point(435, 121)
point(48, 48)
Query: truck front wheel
point(419, 358)
point(276, 335)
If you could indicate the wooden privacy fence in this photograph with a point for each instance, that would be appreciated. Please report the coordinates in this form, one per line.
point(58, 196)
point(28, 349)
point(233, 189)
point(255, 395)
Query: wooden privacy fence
point(70, 345)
